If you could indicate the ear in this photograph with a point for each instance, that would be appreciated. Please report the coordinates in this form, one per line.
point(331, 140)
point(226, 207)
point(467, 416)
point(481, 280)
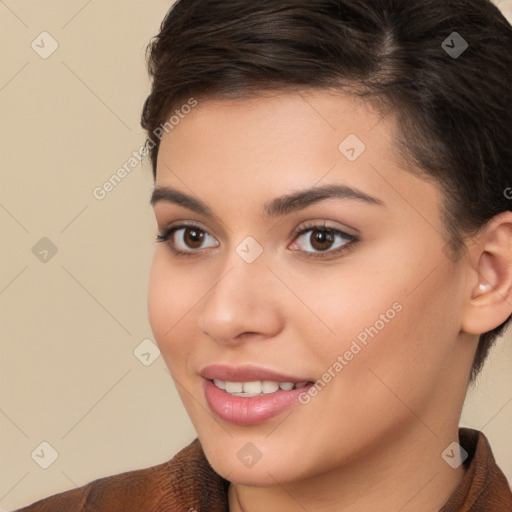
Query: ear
point(489, 300)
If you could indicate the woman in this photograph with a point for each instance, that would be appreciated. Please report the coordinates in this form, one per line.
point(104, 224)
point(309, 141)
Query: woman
point(334, 261)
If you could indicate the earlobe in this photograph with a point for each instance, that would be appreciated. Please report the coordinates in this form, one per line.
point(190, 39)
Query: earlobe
point(490, 279)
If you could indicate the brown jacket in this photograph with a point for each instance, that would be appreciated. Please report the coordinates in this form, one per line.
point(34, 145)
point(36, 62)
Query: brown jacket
point(187, 483)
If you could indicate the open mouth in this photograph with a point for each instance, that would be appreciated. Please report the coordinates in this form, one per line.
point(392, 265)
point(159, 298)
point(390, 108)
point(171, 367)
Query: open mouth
point(256, 387)
point(252, 402)
point(248, 395)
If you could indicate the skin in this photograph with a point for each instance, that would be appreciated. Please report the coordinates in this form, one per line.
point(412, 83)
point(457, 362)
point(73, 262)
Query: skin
point(372, 438)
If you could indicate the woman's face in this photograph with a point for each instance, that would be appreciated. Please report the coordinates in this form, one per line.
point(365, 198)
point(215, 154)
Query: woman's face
point(311, 258)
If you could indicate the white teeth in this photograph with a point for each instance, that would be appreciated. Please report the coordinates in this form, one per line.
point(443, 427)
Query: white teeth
point(256, 387)
point(269, 386)
point(219, 383)
point(234, 387)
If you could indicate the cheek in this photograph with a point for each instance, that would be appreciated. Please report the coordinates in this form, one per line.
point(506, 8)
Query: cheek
point(397, 344)
point(385, 317)
point(340, 305)
point(172, 296)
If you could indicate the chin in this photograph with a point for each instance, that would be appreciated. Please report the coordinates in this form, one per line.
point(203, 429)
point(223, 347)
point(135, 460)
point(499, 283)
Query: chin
point(237, 461)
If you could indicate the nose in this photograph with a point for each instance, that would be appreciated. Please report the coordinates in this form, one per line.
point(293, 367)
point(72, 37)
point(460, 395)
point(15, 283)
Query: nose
point(242, 305)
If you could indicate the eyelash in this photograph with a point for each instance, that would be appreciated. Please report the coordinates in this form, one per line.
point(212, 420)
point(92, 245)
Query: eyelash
point(166, 233)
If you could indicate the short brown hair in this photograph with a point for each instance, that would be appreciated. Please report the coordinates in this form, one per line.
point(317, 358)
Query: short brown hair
point(454, 112)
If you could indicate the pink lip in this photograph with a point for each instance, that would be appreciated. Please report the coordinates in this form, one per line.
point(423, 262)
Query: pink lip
point(247, 410)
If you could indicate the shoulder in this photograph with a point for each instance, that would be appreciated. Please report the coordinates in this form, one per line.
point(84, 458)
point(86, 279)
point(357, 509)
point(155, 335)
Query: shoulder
point(109, 492)
point(484, 487)
point(183, 479)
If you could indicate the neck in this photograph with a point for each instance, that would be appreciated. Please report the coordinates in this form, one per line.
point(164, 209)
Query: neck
point(406, 475)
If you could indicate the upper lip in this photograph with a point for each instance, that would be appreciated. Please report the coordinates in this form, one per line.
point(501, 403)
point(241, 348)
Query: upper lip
point(246, 373)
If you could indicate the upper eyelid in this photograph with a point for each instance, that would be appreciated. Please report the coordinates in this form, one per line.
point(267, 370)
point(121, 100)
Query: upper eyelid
point(161, 211)
point(349, 230)
point(222, 227)
point(181, 224)
point(324, 225)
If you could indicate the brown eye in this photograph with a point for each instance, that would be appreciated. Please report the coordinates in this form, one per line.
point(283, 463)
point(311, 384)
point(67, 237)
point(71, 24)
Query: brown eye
point(321, 240)
point(193, 237)
point(186, 239)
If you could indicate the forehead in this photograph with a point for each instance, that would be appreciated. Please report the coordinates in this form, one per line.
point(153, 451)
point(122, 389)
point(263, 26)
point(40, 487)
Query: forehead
point(269, 130)
point(247, 150)
point(285, 115)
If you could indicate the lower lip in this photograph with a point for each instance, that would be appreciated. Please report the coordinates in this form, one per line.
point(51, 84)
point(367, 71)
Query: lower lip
point(242, 410)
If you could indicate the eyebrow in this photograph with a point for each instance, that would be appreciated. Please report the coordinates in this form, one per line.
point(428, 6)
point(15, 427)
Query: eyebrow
point(279, 206)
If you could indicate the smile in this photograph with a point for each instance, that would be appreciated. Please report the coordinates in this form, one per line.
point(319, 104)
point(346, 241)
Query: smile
point(248, 395)
point(256, 387)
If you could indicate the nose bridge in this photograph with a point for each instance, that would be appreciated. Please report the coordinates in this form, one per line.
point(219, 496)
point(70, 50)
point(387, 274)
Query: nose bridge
point(245, 268)
point(238, 301)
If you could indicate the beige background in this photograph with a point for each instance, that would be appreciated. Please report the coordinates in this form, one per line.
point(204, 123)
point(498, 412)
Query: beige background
point(70, 325)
